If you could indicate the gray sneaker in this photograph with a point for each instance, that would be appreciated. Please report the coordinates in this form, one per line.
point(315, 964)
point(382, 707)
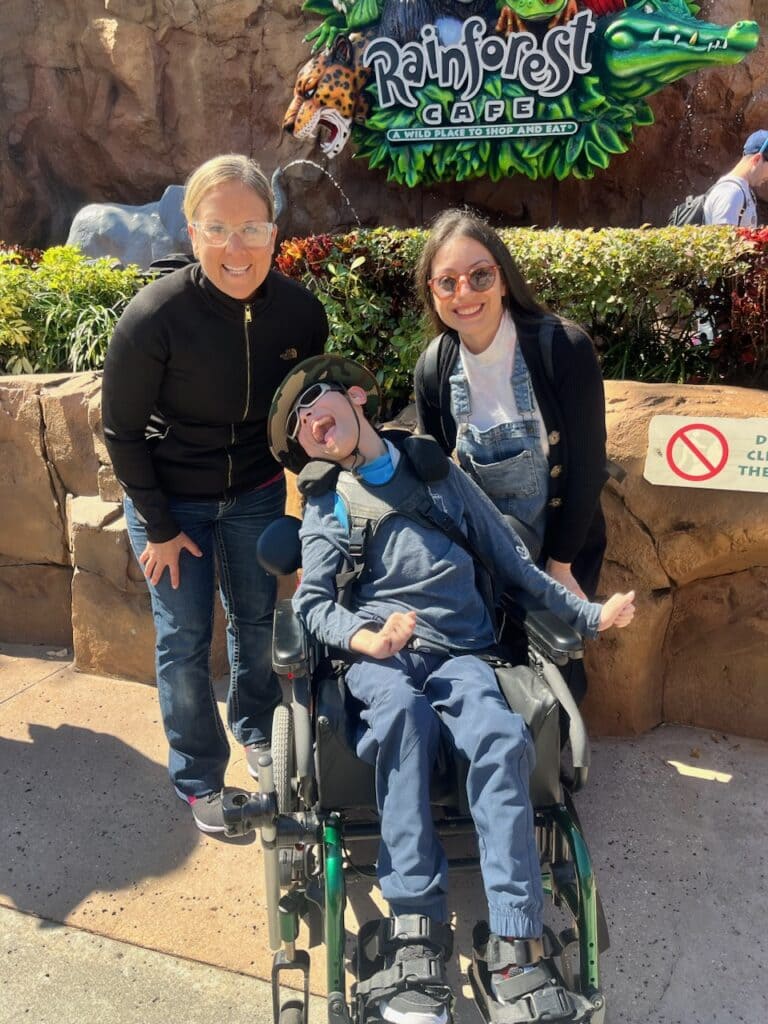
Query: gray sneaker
point(253, 752)
point(207, 810)
point(414, 1007)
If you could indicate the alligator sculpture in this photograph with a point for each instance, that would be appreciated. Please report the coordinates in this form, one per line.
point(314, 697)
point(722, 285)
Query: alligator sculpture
point(654, 42)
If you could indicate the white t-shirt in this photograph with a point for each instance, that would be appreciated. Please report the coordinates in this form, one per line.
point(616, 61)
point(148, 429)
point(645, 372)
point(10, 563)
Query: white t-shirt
point(727, 198)
point(489, 376)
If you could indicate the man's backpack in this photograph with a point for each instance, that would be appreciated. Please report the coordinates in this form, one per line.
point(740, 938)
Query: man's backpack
point(691, 210)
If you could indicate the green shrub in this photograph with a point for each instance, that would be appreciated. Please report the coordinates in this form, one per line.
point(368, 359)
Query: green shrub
point(641, 293)
point(59, 314)
point(364, 280)
point(673, 304)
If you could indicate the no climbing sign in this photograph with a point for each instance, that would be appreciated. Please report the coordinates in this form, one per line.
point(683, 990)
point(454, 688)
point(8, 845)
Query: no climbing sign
point(722, 454)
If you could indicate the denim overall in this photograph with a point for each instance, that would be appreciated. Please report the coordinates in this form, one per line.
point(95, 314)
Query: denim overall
point(507, 460)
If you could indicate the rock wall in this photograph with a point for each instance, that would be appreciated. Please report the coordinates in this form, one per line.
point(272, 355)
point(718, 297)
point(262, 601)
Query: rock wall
point(113, 100)
point(67, 574)
point(697, 652)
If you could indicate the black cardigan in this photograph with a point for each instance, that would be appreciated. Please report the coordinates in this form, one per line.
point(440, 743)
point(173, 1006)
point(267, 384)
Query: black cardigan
point(572, 404)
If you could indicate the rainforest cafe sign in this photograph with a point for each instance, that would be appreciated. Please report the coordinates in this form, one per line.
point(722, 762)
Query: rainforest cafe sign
point(493, 88)
point(545, 70)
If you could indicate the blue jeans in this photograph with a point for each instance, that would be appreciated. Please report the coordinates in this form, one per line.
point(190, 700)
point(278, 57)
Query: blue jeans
point(227, 533)
point(410, 701)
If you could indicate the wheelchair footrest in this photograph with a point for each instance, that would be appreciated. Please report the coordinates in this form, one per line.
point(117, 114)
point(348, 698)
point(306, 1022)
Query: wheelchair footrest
point(541, 996)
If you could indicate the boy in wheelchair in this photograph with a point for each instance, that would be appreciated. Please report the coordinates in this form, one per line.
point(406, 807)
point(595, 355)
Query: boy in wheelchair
point(404, 598)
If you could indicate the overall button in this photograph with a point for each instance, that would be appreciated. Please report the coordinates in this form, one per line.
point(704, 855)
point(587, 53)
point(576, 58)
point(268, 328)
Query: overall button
point(556, 471)
point(555, 502)
point(554, 437)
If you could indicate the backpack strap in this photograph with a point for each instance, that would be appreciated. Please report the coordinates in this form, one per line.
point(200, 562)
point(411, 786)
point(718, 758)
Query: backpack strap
point(739, 182)
point(431, 371)
point(423, 462)
point(546, 332)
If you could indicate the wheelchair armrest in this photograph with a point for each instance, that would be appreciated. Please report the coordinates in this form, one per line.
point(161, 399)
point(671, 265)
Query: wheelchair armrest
point(293, 650)
point(552, 637)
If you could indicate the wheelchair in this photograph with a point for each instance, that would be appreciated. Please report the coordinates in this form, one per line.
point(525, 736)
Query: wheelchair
point(316, 801)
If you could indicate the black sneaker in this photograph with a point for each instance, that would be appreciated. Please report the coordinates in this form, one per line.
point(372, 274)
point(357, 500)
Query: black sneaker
point(253, 752)
point(207, 810)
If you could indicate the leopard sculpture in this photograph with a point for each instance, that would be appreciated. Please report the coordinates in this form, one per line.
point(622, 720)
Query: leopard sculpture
point(329, 95)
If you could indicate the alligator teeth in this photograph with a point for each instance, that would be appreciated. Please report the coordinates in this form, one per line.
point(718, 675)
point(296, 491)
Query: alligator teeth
point(657, 35)
point(725, 44)
point(677, 38)
point(694, 39)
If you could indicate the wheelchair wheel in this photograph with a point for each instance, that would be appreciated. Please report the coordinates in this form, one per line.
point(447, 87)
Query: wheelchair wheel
point(292, 1013)
point(283, 760)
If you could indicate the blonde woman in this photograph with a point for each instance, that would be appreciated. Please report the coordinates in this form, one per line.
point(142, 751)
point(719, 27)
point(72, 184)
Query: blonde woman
point(188, 380)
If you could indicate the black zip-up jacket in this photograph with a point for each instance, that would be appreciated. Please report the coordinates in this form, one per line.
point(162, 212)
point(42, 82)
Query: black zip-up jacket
point(572, 405)
point(188, 383)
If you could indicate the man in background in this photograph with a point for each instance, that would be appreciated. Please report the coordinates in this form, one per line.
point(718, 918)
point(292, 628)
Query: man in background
point(731, 200)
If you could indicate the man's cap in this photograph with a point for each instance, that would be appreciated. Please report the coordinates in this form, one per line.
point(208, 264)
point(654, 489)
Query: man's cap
point(327, 367)
point(755, 142)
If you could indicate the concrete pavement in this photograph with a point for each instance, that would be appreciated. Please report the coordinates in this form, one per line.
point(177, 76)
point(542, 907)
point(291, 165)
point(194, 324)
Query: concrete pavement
point(114, 908)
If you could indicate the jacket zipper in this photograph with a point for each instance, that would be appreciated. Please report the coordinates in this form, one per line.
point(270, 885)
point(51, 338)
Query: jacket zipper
point(248, 317)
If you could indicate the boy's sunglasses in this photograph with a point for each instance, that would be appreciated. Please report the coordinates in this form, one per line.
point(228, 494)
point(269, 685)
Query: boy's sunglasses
point(479, 280)
point(304, 401)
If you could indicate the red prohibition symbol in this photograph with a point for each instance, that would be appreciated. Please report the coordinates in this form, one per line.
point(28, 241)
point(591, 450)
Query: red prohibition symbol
point(710, 453)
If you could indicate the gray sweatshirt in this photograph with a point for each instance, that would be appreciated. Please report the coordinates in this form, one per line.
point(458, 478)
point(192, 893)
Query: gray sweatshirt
point(412, 567)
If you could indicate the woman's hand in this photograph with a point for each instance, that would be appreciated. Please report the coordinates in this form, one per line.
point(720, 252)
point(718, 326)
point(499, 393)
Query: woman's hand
point(561, 573)
point(391, 638)
point(618, 611)
point(156, 558)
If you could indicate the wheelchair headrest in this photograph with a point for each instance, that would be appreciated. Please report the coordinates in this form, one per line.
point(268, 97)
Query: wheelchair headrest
point(278, 551)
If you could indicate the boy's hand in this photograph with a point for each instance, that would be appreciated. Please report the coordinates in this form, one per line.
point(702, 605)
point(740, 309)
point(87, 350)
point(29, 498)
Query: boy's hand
point(391, 638)
point(617, 611)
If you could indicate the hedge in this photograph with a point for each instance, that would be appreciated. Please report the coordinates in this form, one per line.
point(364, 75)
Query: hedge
point(672, 304)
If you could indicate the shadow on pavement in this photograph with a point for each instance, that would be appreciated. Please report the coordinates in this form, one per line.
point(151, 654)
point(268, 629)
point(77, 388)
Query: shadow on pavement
point(83, 811)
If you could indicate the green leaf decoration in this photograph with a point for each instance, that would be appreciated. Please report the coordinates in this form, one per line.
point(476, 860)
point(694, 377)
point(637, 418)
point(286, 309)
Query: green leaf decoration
point(362, 13)
point(643, 114)
point(608, 138)
point(574, 146)
point(595, 154)
point(323, 7)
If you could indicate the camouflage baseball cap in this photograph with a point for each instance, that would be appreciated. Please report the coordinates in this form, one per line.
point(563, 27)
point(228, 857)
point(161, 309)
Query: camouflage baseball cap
point(326, 367)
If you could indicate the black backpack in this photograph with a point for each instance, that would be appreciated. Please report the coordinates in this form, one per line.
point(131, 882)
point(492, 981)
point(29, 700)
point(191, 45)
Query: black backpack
point(691, 210)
